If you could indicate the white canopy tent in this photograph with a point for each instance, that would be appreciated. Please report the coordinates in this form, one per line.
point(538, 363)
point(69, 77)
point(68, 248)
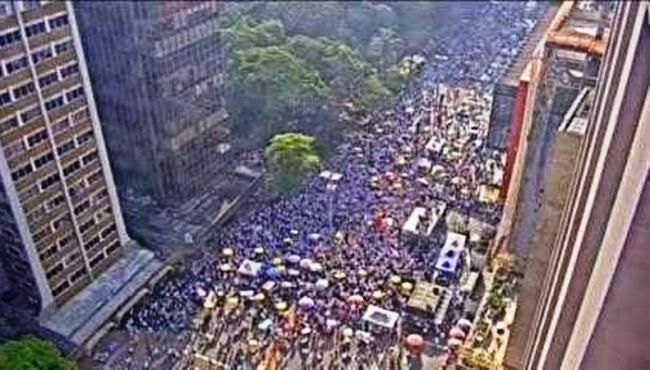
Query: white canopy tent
point(381, 317)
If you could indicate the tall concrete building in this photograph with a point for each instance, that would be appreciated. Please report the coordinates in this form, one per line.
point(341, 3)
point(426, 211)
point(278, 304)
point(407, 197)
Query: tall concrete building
point(61, 227)
point(157, 66)
point(590, 311)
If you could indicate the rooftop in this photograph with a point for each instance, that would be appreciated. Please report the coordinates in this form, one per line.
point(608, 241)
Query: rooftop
point(83, 315)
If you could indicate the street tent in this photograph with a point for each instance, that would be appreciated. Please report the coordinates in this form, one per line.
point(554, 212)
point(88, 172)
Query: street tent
point(381, 317)
point(249, 268)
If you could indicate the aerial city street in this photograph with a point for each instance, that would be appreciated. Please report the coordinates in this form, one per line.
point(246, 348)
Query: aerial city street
point(262, 185)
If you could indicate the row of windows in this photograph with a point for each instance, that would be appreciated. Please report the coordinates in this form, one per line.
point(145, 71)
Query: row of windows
point(9, 38)
point(59, 101)
point(60, 288)
point(35, 29)
point(71, 168)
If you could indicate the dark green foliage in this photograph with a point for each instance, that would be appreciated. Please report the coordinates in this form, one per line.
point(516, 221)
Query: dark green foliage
point(291, 156)
point(30, 353)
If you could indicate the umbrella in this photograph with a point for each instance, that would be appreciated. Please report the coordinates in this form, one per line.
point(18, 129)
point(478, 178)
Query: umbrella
point(306, 331)
point(287, 241)
point(277, 261)
point(258, 250)
point(232, 300)
point(294, 232)
point(316, 267)
point(454, 342)
point(281, 306)
point(306, 302)
point(226, 267)
point(268, 286)
point(313, 237)
point(423, 181)
point(395, 279)
point(348, 332)
point(281, 269)
point(305, 263)
point(331, 323)
point(227, 252)
point(378, 294)
point(322, 283)
point(259, 297)
point(362, 273)
point(273, 272)
point(201, 292)
point(406, 286)
point(456, 332)
point(355, 299)
point(464, 323)
point(246, 293)
point(293, 272)
point(294, 258)
point(286, 284)
point(253, 343)
point(414, 341)
point(265, 325)
point(339, 275)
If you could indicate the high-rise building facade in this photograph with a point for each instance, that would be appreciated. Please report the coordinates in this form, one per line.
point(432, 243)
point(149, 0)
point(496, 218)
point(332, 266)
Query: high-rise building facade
point(157, 67)
point(60, 220)
point(592, 308)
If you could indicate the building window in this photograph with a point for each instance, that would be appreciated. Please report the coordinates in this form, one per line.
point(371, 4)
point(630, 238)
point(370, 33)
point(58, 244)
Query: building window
point(8, 124)
point(65, 241)
point(9, 38)
point(49, 252)
point(94, 177)
point(74, 94)
point(58, 22)
point(69, 70)
point(71, 168)
point(54, 271)
point(56, 224)
point(112, 248)
point(62, 47)
point(88, 158)
point(5, 98)
point(56, 201)
point(15, 148)
point(30, 4)
point(54, 103)
point(22, 172)
point(80, 116)
point(61, 125)
point(24, 90)
point(108, 231)
point(77, 275)
point(60, 288)
point(41, 55)
point(30, 114)
point(68, 146)
point(16, 65)
point(35, 29)
point(5, 8)
point(43, 160)
point(41, 234)
point(81, 208)
point(87, 225)
point(49, 181)
point(48, 79)
point(96, 260)
point(84, 137)
point(36, 138)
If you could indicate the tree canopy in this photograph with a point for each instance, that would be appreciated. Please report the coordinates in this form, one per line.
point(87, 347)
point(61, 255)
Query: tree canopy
point(30, 353)
point(291, 156)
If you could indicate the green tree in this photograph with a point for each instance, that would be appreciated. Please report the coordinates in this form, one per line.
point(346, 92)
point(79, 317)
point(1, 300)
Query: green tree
point(291, 156)
point(269, 86)
point(241, 32)
point(30, 353)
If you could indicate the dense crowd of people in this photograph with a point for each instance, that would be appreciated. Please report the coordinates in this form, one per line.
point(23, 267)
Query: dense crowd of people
point(320, 257)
